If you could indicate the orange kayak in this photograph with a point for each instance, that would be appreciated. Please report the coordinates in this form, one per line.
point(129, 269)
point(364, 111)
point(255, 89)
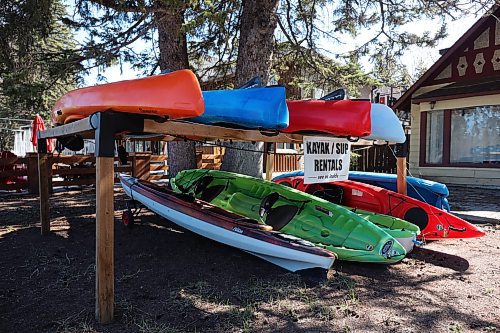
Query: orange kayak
point(174, 95)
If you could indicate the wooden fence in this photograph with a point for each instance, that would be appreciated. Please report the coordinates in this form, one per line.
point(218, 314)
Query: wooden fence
point(70, 170)
point(211, 158)
point(374, 159)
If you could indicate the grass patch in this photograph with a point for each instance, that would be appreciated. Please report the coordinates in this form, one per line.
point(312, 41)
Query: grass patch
point(455, 328)
point(151, 326)
point(80, 322)
point(322, 311)
point(244, 317)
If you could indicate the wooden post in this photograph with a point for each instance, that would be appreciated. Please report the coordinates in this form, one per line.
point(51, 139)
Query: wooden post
point(43, 190)
point(33, 182)
point(270, 150)
point(104, 239)
point(133, 162)
point(401, 169)
point(401, 153)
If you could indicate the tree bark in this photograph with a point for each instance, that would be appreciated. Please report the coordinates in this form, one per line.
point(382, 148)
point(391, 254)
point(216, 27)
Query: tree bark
point(255, 50)
point(173, 56)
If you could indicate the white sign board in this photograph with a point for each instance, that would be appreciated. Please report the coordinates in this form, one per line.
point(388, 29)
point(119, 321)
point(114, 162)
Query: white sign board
point(326, 159)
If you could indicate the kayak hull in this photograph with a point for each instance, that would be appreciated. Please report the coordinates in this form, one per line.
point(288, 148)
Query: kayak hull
point(385, 125)
point(292, 212)
point(434, 223)
point(255, 108)
point(428, 191)
point(206, 220)
point(339, 118)
point(173, 95)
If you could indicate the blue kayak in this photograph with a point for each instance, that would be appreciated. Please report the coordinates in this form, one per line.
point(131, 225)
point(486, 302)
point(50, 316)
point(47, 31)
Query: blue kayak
point(256, 108)
point(428, 191)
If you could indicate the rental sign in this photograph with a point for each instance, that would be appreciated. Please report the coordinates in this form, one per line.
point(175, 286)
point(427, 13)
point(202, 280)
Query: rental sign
point(326, 159)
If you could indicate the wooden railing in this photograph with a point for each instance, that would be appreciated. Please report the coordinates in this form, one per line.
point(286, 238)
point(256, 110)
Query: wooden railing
point(70, 170)
point(286, 162)
point(211, 158)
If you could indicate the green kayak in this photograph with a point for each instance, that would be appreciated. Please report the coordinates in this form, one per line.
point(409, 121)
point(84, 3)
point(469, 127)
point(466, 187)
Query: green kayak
point(290, 211)
point(405, 232)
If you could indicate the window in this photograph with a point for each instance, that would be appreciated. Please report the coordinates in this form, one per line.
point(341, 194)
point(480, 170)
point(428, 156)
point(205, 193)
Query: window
point(434, 135)
point(461, 137)
point(475, 135)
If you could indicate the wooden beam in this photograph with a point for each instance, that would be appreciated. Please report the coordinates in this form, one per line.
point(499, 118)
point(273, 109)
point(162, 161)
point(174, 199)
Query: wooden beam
point(209, 132)
point(43, 190)
point(171, 130)
point(104, 240)
point(78, 127)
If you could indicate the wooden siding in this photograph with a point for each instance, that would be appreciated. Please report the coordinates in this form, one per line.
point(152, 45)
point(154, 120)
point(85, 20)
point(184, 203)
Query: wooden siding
point(461, 103)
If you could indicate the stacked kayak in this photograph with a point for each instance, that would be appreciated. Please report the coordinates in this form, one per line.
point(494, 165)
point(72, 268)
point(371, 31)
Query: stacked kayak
point(428, 191)
point(356, 118)
point(228, 228)
point(339, 118)
point(435, 223)
point(385, 125)
point(173, 95)
point(255, 108)
point(294, 213)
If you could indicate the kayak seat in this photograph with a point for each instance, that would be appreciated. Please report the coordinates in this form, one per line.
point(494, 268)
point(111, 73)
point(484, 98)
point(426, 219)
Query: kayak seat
point(210, 193)
point(333, 194)
point(280, 216)
point(202, 184)
point(417, 216)
point(245, 205)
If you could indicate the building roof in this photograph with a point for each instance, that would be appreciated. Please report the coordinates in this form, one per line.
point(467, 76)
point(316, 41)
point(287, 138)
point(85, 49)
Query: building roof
point(461, 89)
point(404, 102)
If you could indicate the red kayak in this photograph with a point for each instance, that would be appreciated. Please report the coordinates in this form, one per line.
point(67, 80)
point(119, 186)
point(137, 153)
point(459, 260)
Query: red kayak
point(173, 95)
point(340, 118)
point(434, 223)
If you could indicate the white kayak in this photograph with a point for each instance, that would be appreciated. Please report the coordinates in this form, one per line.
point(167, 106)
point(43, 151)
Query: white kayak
point(385, 125)
point(200, 217)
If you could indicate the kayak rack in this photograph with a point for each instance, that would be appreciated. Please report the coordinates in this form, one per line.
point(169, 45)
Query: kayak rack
point(105, 127)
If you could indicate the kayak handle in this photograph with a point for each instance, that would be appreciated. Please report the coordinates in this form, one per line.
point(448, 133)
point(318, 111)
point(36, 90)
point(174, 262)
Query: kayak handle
point(457, 229)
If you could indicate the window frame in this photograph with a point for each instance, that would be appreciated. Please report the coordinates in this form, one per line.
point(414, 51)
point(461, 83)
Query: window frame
point(446, 145)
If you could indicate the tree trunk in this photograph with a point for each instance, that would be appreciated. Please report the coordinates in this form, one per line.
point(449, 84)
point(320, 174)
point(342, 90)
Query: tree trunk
point(255, 50)
point(174, 56)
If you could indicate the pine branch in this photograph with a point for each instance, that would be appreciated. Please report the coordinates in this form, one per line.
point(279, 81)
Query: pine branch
point(122, 7)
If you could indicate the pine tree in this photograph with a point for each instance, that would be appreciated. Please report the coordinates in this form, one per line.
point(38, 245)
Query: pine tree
point(38, 62)
point(255, 50)
point(228, 42)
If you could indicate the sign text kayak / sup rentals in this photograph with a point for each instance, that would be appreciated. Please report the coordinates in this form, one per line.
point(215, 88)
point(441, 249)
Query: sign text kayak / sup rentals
point(326, 159)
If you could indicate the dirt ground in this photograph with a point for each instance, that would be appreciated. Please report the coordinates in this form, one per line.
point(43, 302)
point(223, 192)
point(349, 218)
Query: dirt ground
point(171, 280)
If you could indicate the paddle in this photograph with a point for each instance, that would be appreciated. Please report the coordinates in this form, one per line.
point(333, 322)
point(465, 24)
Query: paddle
point(254, 82)
point(336, 95)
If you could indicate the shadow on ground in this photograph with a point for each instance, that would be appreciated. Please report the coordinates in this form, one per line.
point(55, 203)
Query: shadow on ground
point(171, 280)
